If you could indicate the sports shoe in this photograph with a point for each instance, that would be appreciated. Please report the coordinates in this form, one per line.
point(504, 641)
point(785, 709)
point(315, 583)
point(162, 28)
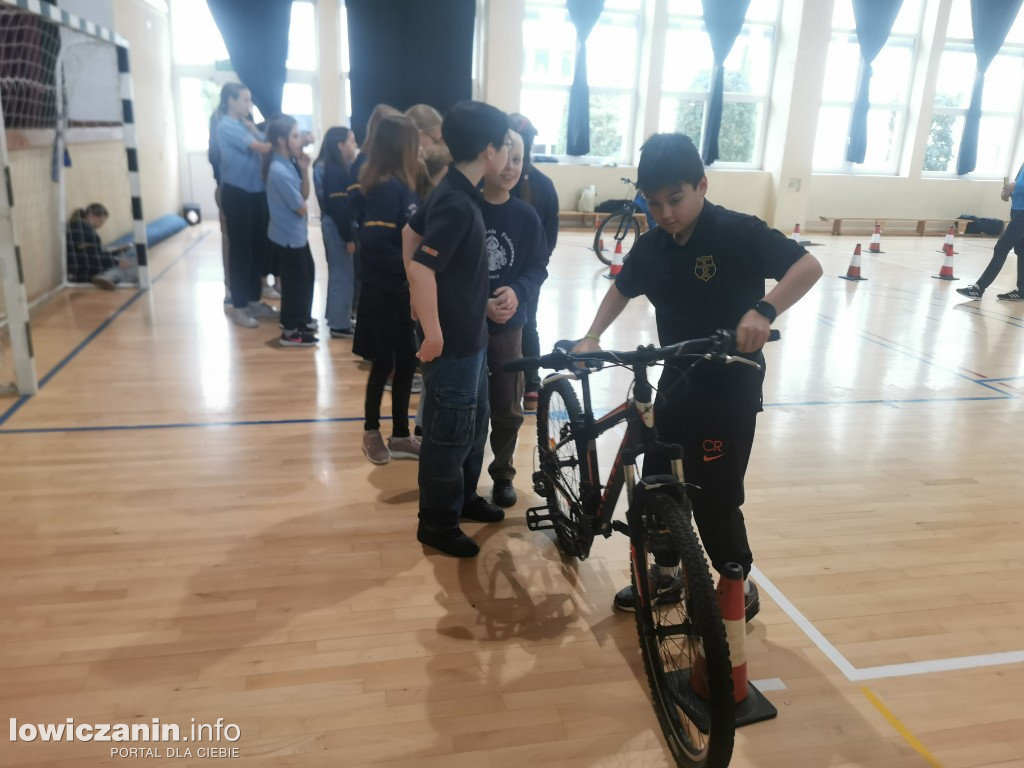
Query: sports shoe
point(312, 326)
point(374, 448)
point(342, 333)
point(417, 384)
point(481, 510)
point(452, 541)
point(1011, 296)
point(104, 282)
point(751, 600)
point(668, 589)
point(504, 495)
point(262, 311)
point(971, 292)
point(244, 318)
point(298, 338)
point(270, 292)
point(530, 400)
point(404, 447)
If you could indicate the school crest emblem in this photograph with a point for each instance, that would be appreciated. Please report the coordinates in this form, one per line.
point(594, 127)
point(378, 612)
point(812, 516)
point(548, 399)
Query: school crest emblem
point(705, 267)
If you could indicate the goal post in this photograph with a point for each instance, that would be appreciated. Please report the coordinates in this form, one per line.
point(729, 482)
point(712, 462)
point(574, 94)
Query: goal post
point(67, 105)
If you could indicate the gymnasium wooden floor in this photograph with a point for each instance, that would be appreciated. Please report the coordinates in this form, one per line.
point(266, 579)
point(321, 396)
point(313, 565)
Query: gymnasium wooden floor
point(191, 531)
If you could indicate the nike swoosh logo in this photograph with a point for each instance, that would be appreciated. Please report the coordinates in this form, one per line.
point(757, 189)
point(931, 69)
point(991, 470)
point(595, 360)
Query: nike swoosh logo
point(712, 458)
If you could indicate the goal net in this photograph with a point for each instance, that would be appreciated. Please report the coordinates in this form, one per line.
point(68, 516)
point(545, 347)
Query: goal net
point(65, 136)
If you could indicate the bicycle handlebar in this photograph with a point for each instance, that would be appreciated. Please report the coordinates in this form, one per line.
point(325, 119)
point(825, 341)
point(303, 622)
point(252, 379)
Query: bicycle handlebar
point(718, 345)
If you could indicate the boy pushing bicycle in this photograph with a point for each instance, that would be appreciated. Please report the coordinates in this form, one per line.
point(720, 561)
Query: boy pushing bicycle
point(704, 268)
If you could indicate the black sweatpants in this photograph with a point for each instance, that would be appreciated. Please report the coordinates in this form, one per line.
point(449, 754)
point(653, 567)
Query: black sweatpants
point(298, 275)
point(716, 432)
point(1012, 237)
point(246, 215)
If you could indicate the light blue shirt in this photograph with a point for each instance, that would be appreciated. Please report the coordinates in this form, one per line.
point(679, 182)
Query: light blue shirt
point(239, 166)
point(1017, 198)
point(284, 197)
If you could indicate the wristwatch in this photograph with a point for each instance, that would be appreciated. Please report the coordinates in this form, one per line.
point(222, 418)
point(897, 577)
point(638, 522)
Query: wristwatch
point(764, 308)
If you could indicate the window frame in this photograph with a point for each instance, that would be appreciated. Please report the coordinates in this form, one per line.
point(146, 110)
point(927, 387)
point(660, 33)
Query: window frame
point(757, 163)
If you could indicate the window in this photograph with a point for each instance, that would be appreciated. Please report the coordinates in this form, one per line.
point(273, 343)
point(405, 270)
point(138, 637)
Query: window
point(202, 67)
point(1000, 105)
point(686, 80)
point(549, 57)
point(890, 93)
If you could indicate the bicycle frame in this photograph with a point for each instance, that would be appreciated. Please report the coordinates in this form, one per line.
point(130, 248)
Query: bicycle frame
point(598, 501)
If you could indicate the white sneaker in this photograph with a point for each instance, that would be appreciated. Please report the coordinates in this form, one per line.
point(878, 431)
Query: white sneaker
point(244, 318)
point(262, 311)
point(270, 292)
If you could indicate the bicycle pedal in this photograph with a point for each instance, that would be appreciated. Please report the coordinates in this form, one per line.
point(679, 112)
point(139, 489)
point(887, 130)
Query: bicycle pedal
point(539, 519)
point(539, 487)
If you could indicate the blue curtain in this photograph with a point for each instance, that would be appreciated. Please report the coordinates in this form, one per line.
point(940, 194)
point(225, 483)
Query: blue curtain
point(404, 53)
point(874, 25)
point(724, 20)
point(991, 20)
point(255, 33)
point(584, 15)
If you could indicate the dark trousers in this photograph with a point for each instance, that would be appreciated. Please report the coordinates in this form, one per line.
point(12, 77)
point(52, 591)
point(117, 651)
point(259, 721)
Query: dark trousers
point(297, 278)
point(506, 396)
point(455, 414)
point(531, 345)
point(716, 437)
point(1012, 237)
point(395, 351)
point(246, 215)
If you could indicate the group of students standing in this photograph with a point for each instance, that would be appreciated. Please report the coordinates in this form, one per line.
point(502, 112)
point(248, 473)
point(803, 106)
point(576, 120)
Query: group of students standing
point(372, 199)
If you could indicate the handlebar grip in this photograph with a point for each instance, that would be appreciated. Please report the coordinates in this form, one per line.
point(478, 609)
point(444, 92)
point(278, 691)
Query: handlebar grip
point(522, 364)
point(774, 335)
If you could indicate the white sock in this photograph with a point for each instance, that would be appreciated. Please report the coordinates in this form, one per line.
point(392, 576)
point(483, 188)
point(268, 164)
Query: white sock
point(746, 587)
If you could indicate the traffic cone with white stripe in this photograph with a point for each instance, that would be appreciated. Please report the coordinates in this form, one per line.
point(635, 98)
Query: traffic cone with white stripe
point(616, 261)
point(875, 246)
point(796, 236)
point(751, 705)
point(946, 272)
point(950, 236)
point(853, 271)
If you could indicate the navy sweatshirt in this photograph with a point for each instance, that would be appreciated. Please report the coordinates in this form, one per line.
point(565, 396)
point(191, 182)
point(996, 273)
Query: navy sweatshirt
point(545, 202)
point(517, 254)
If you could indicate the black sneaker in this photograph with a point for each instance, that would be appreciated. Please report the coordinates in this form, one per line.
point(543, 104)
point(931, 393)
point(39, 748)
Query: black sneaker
point(297, 338)
point(1011, 296)
point(668, 590)
point(481, 510)
point(504, 495)
point(342, 333)
point(971, 292)
point(751, 602)
point(451, 542)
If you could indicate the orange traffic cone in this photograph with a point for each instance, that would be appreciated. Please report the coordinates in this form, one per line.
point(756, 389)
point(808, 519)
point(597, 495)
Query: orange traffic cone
point(853, 272)
point(796, 236)
point(876, 240)
point(751, 705)
point(946, 272)
point(950, 236)
point(616, 261)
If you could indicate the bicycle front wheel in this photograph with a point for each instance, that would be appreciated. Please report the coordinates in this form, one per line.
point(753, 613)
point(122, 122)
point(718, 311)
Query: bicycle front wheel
point(677, 617)
point(619, 229)
point(563, 465)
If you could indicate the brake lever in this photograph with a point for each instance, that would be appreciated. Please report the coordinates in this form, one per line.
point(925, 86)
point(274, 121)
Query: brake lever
point(731, 359)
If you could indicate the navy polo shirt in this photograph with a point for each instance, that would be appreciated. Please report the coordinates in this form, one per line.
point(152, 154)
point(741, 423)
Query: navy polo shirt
point(453, 246)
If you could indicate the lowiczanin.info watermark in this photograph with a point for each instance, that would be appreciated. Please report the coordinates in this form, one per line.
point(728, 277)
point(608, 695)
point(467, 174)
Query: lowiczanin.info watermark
point(156, 733)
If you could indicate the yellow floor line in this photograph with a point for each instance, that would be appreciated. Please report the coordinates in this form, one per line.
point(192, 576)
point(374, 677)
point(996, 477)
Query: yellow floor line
point(901, 728)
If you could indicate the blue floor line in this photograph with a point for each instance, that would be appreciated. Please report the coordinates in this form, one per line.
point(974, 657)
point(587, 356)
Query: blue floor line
point(92, 336)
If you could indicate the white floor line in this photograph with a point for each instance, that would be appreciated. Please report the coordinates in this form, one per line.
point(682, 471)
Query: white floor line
point(769, 684)
point(881, 672)
point(763, 583)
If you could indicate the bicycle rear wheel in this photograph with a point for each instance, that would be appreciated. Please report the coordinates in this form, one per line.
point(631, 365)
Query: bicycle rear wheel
point(699, 731)
point(618, 228)
point(563, 465)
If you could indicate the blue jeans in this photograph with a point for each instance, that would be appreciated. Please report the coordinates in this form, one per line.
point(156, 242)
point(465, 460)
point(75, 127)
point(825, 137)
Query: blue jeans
point(456, 413)
point(340, 276)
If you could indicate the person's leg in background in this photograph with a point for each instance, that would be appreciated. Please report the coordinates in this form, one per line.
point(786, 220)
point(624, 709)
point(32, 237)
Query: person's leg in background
point(225, 256)
point(506, 400)
point(340, 277)
point(239, 213)
point(531, 348)
point(1012, 235)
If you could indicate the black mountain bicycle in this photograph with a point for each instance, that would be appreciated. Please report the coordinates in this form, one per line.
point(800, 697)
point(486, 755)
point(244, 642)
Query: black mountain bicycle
point(619, 228)
point(699, 731)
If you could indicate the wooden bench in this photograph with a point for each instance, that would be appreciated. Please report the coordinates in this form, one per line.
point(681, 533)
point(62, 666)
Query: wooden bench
point(589, 220)
point(920, 225)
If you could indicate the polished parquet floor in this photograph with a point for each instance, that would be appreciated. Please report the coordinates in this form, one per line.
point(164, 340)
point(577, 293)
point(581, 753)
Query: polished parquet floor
point(190, 532)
